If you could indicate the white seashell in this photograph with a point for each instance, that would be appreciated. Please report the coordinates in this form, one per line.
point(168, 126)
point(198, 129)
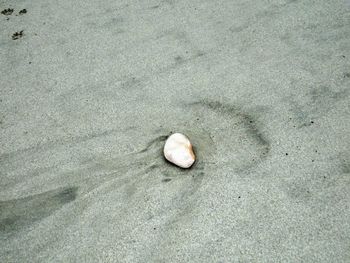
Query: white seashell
point(178, 150)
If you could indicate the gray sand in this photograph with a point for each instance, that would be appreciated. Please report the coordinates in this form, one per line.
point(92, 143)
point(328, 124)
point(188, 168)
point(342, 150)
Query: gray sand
point(90, 90)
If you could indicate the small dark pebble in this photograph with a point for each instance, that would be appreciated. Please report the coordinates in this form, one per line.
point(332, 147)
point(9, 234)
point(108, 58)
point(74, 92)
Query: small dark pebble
point(239, 197)
point(30, 62)
point(343, 56)
point(166, 180)
point(312, 160)
point(311, 121)
point(286, 153)
point(23, 11)
point(7, 11)
point(17, 35)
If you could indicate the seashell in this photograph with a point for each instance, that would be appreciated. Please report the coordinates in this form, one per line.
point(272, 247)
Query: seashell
point(178, 150)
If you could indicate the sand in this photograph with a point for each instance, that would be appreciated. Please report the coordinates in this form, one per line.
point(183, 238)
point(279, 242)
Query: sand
point(90, 90)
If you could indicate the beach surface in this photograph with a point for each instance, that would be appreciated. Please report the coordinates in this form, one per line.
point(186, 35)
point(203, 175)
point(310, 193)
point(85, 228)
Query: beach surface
point(90, 90)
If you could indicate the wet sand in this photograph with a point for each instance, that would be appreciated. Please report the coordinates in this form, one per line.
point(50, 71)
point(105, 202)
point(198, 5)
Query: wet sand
point(91, 90)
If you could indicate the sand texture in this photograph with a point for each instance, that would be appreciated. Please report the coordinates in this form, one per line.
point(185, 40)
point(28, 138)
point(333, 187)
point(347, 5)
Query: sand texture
point(90, 90)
